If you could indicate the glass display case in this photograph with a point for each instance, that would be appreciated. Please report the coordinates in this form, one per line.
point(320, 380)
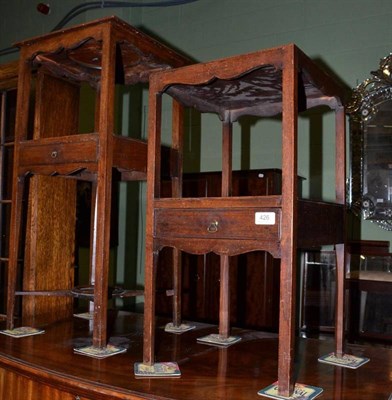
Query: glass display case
point(368, 290)
point(369, 280)
point(318, 273)
point(364, 265)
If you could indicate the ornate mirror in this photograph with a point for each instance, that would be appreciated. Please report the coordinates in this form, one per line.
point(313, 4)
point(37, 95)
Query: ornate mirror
point(370, 110)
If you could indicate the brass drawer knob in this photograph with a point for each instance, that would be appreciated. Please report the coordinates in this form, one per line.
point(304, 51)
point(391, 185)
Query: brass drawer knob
point(213, 227)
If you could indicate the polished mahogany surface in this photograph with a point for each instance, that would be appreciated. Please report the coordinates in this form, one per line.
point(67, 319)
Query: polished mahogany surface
point(237, 372)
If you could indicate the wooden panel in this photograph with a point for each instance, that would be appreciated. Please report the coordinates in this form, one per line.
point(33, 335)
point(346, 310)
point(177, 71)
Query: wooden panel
point(215, 224)
point(257, 289)
point(320, 223)
point(368, 247)
point(50, 232)
point(17, 387)
point(129, 154)
point(219, 202)
point(83, 149)
point(257, 182)
point(8, 75)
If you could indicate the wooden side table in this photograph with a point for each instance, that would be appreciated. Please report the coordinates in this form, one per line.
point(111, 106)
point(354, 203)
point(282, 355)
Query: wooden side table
point(279, 81)
point(101, 53)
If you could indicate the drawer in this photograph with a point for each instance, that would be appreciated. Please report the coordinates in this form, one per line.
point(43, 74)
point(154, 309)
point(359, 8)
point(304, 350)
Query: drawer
point(248, 223)
point(50, 151)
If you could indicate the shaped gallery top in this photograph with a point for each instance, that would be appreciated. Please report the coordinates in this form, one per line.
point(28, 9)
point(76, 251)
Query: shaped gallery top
point(251, 84)
point(76, 52)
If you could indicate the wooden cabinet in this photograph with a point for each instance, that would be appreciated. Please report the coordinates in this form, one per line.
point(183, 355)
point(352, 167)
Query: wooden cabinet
point(254, 274)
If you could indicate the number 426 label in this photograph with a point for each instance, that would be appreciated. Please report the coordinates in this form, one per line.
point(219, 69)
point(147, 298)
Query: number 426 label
point(264, 218)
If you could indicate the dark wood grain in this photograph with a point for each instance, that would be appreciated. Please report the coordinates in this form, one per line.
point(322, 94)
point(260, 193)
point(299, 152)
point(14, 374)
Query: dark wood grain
point(8, 75)
point(51, 267)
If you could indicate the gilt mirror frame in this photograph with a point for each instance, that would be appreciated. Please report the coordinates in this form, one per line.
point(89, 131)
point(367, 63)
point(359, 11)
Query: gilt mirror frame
point(370, 180)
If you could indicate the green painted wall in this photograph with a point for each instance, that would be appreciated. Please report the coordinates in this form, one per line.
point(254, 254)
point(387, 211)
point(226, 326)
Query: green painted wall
point(347, 37)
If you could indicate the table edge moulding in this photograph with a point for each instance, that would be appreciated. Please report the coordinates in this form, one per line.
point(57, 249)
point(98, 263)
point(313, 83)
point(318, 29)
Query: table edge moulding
point(100, 53)
point(281, 80)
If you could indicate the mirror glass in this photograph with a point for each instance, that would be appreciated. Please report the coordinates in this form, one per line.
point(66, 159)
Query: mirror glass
point(370, 113)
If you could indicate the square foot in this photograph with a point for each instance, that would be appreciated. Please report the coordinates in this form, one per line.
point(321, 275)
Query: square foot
point(157, 370)
point(22, 331)
point(216, 340)
point(301, 391)
point(346, 360)
point(96, 352)
point(171, 328)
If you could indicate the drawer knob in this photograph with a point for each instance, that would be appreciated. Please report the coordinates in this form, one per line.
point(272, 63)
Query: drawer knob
point(213, 227)
point(54, 154)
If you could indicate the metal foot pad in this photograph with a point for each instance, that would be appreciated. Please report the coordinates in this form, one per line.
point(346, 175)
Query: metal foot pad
point(217, 340)
point(96, 352)
point(157, 370)
point(171, 328)
point(346, 360)
point(85, 315)
point(302, 392)
point(22, 331)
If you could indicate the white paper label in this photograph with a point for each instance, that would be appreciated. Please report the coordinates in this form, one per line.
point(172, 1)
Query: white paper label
point(265, 218)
